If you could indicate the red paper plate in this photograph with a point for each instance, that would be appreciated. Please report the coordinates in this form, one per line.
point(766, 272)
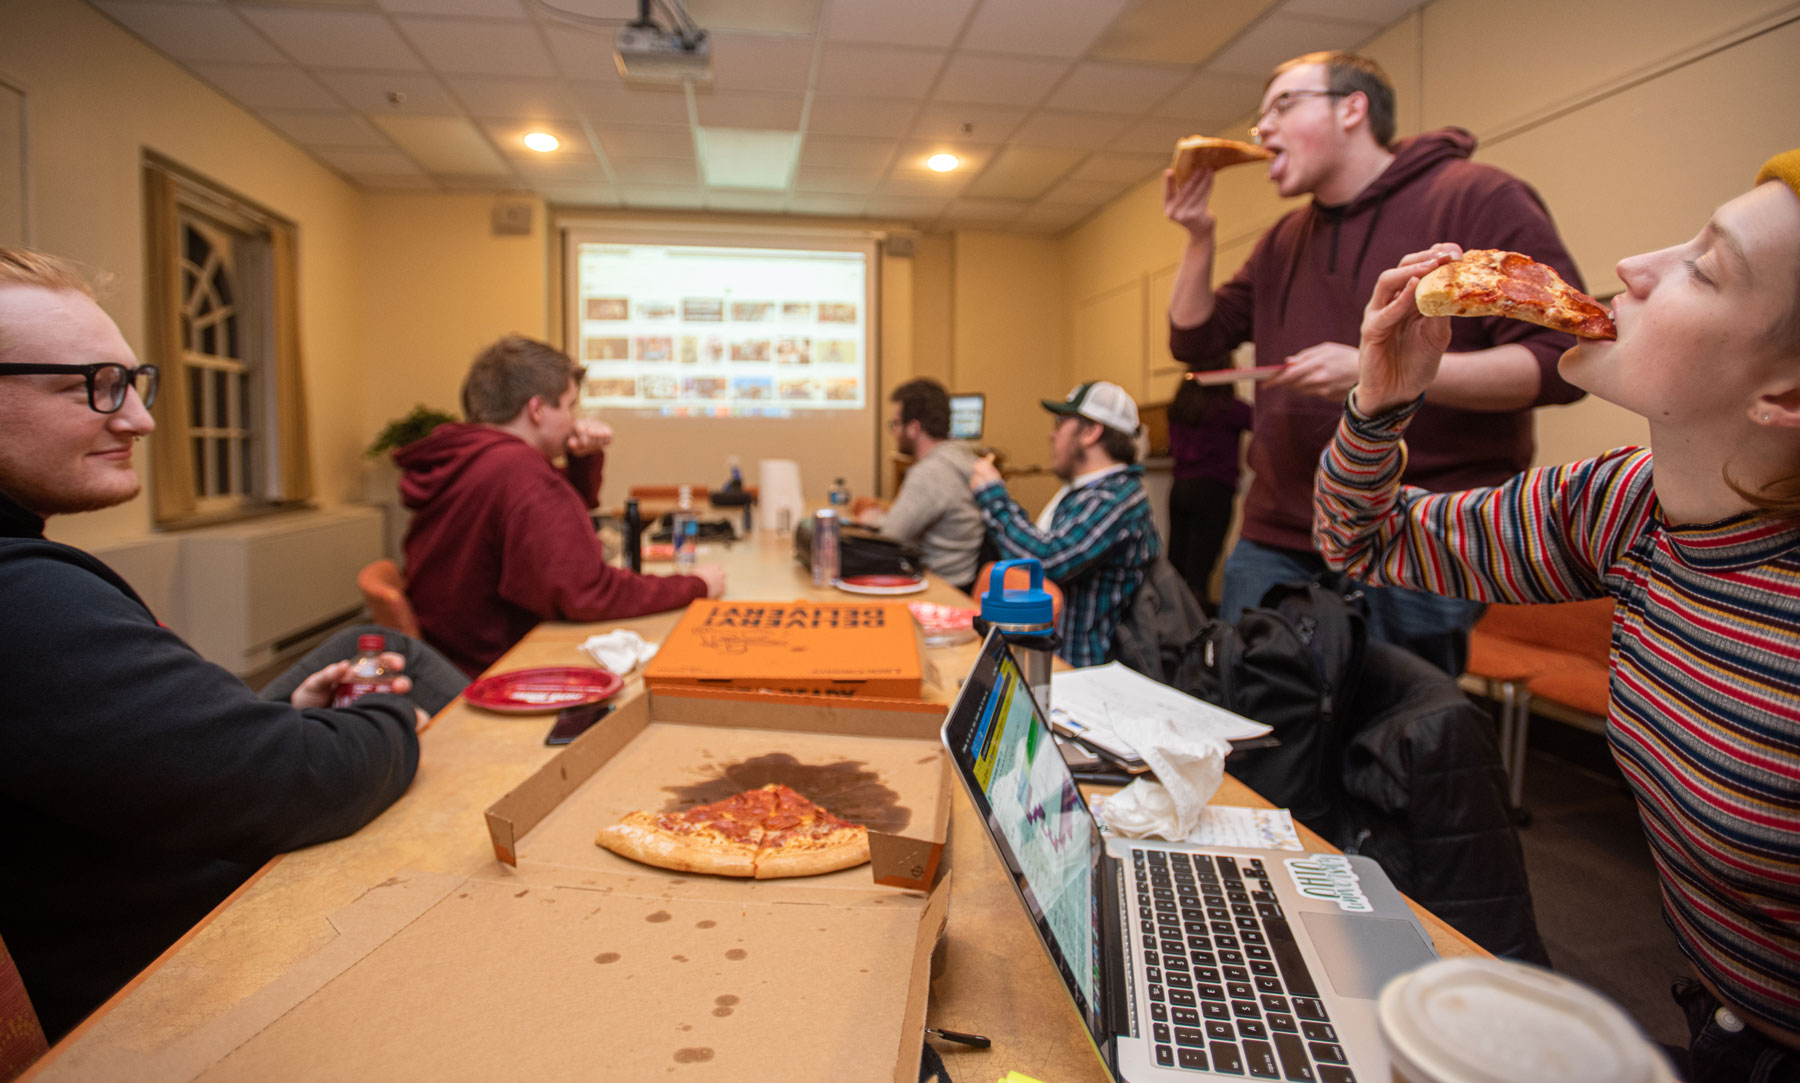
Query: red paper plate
point(551, 688)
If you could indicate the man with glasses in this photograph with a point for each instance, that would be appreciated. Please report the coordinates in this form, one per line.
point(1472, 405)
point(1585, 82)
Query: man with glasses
point(933, 509)
point(1329, 118)
point(139, 784)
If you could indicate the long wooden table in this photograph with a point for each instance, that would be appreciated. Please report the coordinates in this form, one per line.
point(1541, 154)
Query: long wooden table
point(992, 977)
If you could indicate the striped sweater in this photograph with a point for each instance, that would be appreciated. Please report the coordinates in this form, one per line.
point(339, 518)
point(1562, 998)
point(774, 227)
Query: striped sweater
point(1100, 544)
point(1705, 689)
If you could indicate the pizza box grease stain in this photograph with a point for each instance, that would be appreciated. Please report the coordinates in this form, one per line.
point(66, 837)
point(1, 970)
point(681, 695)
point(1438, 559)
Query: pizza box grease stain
point(606, 957)
point(736, 953)
point(706, 924)
point(847, 788)
point(693, 1054)
point(658, 917)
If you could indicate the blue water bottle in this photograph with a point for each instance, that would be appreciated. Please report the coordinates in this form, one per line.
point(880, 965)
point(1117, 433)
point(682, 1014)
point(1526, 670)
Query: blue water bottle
point(1027, 619)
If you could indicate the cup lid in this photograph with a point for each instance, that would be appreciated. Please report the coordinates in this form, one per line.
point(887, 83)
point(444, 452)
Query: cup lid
point(1479, 1020)
point(1032, 606)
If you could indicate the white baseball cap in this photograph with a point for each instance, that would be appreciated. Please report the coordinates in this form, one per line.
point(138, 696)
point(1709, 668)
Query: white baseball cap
point(1101, 401)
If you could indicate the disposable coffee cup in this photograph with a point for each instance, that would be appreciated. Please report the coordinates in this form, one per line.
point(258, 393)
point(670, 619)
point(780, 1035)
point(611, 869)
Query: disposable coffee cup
point(1477, 1020)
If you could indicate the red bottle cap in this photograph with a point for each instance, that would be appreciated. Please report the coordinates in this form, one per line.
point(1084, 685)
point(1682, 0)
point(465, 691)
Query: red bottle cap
point(373, 643)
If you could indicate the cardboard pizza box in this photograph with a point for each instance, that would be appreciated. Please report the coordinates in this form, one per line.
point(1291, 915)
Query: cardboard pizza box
point(810, 648)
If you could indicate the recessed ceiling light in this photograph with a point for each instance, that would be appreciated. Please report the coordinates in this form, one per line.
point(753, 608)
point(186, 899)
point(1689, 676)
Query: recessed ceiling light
point(942, 163)
point(543, 142)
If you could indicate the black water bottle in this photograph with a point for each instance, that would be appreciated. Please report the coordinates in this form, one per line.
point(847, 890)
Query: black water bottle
point(634, 534)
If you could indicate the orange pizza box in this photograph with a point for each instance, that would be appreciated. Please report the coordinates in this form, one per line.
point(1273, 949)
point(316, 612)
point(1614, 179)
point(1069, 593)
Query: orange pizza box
point(564, 961)
point(812, 648)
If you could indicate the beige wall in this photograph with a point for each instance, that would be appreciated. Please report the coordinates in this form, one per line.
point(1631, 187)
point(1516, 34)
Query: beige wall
point(1603, 117)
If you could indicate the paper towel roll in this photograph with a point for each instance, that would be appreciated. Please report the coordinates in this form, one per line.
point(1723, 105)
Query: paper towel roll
point(778, 491)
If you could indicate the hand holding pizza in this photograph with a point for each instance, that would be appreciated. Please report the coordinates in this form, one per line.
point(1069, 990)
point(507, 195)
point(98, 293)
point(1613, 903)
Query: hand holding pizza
point(1185, 201)
point(1401, 347)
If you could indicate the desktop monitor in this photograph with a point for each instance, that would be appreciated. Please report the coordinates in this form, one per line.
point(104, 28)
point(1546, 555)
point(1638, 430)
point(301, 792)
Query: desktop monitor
point(965, 416)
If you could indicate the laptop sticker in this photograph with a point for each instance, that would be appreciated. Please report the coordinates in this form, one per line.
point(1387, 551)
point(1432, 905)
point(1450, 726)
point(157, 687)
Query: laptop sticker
point(1328, 877)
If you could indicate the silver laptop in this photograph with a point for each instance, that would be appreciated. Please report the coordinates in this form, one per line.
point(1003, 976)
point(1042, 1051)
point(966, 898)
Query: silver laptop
point(1185, 962)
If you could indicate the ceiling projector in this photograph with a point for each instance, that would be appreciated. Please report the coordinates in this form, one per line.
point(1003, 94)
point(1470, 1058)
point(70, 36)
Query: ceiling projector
point(650, 54)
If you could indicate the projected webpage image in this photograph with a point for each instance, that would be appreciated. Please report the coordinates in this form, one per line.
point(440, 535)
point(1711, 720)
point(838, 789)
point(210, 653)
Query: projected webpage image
point(687, 330)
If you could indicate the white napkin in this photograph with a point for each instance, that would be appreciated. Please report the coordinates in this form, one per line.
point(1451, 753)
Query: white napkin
point(620, 651)
point(1187, 771)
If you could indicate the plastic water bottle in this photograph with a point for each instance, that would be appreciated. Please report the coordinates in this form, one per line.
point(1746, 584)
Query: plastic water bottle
point(634, 536)
point(684, 531)
point(1027, 619)
point(367, 673)
point(840, 497)
point(825, 542)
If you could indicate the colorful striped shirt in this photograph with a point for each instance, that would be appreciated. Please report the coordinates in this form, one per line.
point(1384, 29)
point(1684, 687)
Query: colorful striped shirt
point(1101, 542)
point(1705, 688)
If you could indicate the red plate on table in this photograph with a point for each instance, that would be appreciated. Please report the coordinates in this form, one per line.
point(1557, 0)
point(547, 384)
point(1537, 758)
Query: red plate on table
point(881, 584)
point(550, 688)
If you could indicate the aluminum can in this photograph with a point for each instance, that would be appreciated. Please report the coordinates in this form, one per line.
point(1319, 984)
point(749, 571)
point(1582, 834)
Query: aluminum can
point(825, 541)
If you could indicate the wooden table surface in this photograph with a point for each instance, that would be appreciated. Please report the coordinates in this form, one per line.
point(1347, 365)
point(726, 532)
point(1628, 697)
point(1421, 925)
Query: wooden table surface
point(994, 978)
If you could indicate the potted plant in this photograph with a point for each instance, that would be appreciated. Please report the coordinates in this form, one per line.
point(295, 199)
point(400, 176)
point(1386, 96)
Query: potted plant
point(414, 425)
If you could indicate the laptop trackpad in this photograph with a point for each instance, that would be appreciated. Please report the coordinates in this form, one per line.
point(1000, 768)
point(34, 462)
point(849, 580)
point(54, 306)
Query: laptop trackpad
point(1361, 954)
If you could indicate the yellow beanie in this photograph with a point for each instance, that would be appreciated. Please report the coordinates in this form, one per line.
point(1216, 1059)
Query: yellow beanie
point(1784, 168)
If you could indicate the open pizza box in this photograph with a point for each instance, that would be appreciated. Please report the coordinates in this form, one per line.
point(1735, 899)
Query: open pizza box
point(565, 961)
point(851, 649)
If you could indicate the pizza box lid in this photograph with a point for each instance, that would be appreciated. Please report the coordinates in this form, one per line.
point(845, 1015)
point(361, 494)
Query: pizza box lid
point(862, 648)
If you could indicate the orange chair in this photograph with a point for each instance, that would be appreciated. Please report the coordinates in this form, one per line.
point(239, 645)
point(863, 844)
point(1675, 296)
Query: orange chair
point(21, 1037)
point(1556, 653)
point(384, 592)
point(1018, 579)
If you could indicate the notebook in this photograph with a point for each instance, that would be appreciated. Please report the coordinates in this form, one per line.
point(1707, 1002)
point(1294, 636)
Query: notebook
point(1184, 962)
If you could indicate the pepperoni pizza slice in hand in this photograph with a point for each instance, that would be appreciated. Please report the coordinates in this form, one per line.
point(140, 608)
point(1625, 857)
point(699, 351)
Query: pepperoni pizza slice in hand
point(765, 833)
point(1491, 282)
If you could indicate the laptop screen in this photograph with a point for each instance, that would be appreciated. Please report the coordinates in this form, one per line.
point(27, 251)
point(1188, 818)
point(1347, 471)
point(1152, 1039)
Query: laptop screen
point(1040, 825)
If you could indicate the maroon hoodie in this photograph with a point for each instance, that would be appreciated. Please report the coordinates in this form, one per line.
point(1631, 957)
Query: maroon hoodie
point(1307, 281)
point(501, 540)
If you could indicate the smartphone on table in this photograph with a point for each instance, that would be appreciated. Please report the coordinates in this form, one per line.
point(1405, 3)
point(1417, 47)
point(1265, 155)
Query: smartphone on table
point(572, 722)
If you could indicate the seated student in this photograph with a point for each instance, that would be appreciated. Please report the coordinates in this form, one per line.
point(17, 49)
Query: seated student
point(933, 509)
point(500, 539)
point(1095, 538)
point(139, 783)
point(1697, 538)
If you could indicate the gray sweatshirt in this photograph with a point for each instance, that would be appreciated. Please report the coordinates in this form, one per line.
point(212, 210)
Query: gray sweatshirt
point(936, 512)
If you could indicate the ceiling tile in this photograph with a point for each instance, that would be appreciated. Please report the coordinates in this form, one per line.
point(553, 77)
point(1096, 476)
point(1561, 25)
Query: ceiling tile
point(1115, 88)
point(746, 158)
point(478, 47)
point(860, 116)
point(1129, 168)
point(916, 207)
point(909, 182)
point(1154, 135)
point(481, 9)
point(836, 152)
point(1061, 28)
point(796, 17)
point(318, 129)
point(553, 170)
point(997, 80)
point(807, 203)
point(192, 32)
point(748, 110)
point(1054, 217)
point(1211, 98)
point(966, 123)
point(835, 181)
point(640, 195)
point(746, 201)
point(1084, 191)
point(444, 145)
point(983, 213)
point(1380, 13)
point(884, 22)
point(607, 105)
point(369, 162)
point(1023, 172)
point(265, 86)
point(973, 159)
point(336, 39)
point(582, 54)
point(749, 62)
point(509, 136)
point(578, 195)
point(647, 142)
point(878, 71)
point(369, 91)
point(394, 182)
point(1085, 131)
point(527, 99)
point(1281, 37)
point(661, 172)
point(477, 183)
point(1177, 31)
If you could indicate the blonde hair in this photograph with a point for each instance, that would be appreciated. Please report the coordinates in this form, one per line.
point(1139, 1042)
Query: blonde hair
point(23, 267)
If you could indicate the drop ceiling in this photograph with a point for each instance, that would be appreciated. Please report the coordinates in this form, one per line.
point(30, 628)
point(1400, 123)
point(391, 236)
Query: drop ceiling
point(815, 107)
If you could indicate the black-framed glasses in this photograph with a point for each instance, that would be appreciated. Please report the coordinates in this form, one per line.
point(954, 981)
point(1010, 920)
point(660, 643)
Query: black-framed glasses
point(107, 382)
point(1287, 99)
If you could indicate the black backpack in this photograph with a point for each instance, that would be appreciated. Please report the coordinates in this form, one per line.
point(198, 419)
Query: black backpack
point(862, 551)
point(1291, 664)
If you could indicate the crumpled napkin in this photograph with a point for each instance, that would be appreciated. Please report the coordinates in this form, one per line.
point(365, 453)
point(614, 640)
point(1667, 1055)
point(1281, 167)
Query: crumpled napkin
point(1186, 769)
point(620, 650)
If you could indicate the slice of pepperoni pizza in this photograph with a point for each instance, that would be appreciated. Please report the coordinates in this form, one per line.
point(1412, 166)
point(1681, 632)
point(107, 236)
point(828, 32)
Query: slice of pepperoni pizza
point(765, 833)
point(1492, 282)
point(802, 839)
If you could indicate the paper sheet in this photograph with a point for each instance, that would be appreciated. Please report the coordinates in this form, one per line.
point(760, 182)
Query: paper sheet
point(1106, 704)
point(1233, 825)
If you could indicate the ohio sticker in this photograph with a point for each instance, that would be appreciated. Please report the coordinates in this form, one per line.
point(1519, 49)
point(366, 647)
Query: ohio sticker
point(1329, 877)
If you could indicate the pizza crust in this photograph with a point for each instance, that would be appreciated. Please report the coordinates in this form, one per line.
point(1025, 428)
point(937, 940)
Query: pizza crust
point(1204, 151)
point(844, 848)
point(639, 837)
point(766, 833)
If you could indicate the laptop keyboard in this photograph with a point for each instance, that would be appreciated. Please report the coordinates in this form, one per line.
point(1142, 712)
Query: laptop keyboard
point(1229, 990)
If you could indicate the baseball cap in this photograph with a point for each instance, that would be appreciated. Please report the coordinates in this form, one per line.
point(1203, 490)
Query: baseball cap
point(1102, 401)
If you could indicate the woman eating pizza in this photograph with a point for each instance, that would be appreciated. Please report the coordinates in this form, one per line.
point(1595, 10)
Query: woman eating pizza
point(1697, 540)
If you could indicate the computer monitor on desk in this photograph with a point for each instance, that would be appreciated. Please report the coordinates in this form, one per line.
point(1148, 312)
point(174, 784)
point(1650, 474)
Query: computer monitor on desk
point(965, 416)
